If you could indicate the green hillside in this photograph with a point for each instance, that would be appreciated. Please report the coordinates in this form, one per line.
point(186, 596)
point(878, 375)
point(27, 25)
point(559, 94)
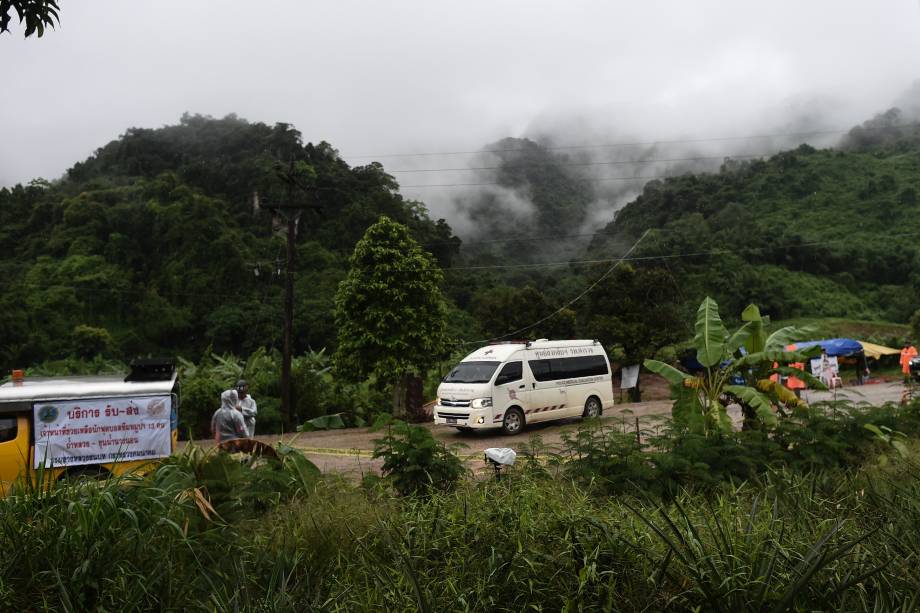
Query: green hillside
point(155, 244)
point(806, 232)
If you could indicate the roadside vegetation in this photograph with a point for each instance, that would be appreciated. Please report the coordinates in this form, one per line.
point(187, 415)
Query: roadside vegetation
point(825, 515)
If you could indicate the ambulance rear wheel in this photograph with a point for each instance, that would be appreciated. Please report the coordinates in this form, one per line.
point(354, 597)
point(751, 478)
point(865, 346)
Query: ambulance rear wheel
point(513, 422)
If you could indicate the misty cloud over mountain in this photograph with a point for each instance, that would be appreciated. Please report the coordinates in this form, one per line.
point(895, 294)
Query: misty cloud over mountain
point(496, 193)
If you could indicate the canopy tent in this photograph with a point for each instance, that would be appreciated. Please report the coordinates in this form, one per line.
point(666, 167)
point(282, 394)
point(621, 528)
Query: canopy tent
point(876, 351)
point(833, 346)
point(848, 346)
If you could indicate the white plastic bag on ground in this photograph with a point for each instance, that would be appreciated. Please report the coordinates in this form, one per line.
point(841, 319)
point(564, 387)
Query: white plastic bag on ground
point(501, 455)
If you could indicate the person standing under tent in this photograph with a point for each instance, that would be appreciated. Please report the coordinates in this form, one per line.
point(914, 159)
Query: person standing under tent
point(248, 407)
point(907, 353)
point(862, 368)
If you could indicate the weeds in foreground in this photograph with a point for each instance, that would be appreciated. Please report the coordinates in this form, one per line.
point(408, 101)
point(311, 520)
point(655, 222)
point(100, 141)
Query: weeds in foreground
point(205, 532)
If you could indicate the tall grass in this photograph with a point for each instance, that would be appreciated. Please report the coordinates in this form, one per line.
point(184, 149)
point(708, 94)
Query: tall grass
point(206, 532)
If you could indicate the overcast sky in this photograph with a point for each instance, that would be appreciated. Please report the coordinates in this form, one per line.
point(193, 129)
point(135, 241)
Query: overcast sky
point(401, 76)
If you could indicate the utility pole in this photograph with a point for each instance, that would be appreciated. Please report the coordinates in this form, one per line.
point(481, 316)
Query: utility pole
point(291, 214)
point(286, 408)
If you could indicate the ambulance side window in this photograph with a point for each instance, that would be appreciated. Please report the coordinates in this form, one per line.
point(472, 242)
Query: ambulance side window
point(510, 372)
point(8, 429)
point(540, 370)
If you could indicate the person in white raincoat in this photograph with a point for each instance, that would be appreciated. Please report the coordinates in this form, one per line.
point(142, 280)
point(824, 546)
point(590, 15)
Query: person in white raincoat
point(248, 406)
point(227, 422)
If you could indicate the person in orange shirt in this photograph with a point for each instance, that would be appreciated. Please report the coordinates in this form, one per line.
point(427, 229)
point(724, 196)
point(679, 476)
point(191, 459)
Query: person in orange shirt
point(908, 352)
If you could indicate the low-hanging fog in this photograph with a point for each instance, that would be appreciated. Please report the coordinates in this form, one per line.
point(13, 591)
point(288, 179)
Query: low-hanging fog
point(621, 92)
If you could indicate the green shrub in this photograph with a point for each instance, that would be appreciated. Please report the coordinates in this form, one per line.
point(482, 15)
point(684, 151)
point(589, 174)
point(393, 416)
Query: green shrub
point(414, 461)
point(596, 452)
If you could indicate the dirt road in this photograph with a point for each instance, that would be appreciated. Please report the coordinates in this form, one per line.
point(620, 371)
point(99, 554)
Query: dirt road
point(349, 451)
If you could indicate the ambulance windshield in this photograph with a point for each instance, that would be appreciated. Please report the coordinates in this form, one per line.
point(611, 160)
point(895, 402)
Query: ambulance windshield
point(472, 372)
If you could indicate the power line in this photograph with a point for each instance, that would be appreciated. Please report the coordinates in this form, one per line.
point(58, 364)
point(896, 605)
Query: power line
point(616, 163)
point(567, 304)
point(664, 256)
point(599, 180)
point(614, 145)
point(624, 258)
point(516, 239)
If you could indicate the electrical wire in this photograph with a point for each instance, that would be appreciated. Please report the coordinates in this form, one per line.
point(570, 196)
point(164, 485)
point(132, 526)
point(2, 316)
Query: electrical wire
point(614, 260)
point(516, 165)
point(567, 304)
point(600, 180)
point(614, 145)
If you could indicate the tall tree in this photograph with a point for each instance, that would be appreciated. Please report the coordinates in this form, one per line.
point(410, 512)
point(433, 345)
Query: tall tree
point(638, 308)
point(37, 15)
point(390, 313)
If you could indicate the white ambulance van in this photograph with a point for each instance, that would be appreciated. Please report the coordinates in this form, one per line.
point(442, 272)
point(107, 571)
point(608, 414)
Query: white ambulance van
point(509, 385)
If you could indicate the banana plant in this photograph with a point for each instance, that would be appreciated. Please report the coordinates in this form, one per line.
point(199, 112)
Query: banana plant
point(736, 368)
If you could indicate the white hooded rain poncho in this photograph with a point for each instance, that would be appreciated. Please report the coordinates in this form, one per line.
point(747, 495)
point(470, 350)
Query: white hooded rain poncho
point(227, 422)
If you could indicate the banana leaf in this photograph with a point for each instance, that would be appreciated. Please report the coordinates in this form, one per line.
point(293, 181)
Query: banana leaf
point(757, 340)
point(779, 391)
point(776, 355)
point(710, 334)
point(807, 377)
point(783, 337)
point(718, 416)
point(739, 338)
point(756, 400)
point(687, 410)
point(671, 374)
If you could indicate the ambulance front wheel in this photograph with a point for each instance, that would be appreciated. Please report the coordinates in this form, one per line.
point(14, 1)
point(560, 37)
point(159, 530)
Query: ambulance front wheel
point(592, 407)
point(513, 422)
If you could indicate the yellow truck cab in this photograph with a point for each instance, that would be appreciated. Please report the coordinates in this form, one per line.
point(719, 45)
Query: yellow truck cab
point(93, 424)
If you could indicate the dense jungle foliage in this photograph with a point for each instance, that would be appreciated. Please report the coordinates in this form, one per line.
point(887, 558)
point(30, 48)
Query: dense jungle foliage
point(807, 232)
point(155, 244)
point(161, 242)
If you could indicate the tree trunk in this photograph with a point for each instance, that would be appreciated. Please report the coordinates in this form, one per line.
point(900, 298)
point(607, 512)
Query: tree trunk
point(415, 400)
point(635, 393)
point(399, 397)
point(407, 399)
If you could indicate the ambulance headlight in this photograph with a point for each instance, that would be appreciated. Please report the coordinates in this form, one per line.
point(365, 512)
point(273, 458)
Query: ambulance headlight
point(481, 403)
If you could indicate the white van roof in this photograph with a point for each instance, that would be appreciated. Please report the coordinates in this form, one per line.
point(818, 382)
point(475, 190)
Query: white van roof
point(502, 351)
point(18, 396)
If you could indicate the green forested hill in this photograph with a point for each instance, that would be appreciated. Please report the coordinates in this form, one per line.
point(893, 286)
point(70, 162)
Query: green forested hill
point(153, 244)
point(805, 232)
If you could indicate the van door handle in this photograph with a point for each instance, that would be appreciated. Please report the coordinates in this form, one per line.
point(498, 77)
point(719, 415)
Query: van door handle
point(521, 386)
point(534, 385)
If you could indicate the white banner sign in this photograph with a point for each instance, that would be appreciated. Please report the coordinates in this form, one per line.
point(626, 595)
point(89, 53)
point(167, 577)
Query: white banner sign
point(825, 368)
point(96, 431)
point(629, 377)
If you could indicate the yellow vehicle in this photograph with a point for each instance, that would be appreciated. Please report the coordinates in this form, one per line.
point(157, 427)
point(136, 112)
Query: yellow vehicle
point(91, 425)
